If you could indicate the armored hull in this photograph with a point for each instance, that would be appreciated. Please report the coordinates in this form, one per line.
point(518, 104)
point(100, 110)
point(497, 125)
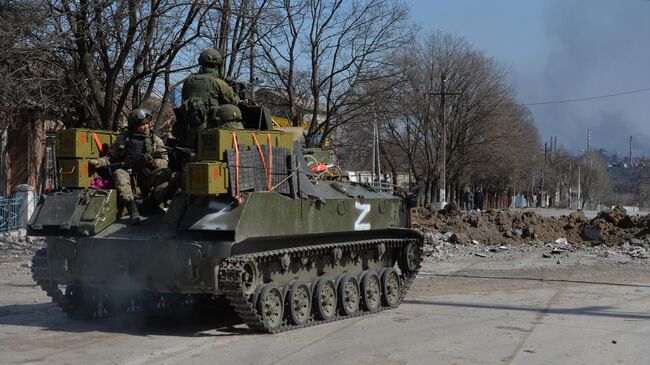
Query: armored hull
point(320, 251)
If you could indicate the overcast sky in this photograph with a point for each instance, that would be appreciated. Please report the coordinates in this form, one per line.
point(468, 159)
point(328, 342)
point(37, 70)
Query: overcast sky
point(561, 50)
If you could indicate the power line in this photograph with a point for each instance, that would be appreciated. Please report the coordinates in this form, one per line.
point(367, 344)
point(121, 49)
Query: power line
point(589, 98)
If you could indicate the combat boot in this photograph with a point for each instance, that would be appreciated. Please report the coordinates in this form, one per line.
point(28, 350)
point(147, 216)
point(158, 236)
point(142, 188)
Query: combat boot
point(133, 212)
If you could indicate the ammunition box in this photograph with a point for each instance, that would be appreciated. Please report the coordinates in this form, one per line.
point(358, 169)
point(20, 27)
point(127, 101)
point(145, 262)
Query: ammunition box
point(213, 143)
point(74, 172)
point(81, 143)
point(207, 178)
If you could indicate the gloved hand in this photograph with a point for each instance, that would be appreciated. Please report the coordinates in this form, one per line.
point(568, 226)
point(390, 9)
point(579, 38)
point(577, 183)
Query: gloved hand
point(148, 159)
point(96, 162)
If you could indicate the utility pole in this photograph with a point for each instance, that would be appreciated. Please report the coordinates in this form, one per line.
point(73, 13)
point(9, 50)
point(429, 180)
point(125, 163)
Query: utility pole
point(579, 198)
point(251, 43)
point(570, 168)
point(543, 172)
point(630, 151)
point(376, 158)
point(443, 138)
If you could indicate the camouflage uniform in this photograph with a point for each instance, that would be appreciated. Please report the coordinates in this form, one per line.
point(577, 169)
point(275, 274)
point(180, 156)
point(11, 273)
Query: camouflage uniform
point(136, 152)
point(203, 93)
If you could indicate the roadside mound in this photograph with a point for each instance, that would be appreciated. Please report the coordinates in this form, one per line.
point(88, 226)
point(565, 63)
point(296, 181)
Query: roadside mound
point(496, 227)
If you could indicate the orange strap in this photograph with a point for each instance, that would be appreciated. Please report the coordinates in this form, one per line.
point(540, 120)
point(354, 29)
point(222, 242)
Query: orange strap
point(98, 142)
point(269, 181)
point(234, 142)
point(266, 173)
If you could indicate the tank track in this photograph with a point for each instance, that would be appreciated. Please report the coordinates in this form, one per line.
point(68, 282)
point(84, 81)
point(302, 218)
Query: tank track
point(231, 276)
point(41, 275)
point(77, 306)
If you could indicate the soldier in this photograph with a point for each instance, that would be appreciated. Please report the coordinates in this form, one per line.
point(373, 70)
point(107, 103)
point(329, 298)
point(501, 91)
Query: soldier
point(203, 93)
point(143, 152)
point(229, 116)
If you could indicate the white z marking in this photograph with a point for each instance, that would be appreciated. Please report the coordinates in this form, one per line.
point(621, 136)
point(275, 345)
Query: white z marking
point(365, 209)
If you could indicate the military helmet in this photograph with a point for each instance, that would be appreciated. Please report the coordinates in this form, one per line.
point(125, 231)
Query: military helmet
point(138, 116)
point(211, 57)
point(229, 113)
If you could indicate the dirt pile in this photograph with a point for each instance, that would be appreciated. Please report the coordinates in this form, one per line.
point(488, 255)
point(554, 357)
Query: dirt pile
point(14, 244)
point(498, 227)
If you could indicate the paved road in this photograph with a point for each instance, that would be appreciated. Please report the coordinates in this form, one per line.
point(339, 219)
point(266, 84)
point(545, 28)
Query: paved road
point(454, 314)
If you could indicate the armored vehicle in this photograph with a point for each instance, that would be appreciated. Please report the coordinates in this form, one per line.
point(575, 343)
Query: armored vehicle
point(252, 224)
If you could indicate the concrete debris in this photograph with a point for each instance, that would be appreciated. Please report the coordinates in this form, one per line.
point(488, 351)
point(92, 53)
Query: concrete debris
point(496, 227)
point(17, 242)
point(454, 232)
point(562, 242)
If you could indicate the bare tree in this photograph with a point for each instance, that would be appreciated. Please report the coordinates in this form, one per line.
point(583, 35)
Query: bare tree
point(28, 80)
point(560, 175)
point(323, 49)
point(508, 161)
point(117, 54)
point(596, 185)
point(491, 141)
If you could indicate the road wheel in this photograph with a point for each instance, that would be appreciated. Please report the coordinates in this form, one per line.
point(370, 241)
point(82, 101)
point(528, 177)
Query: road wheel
point(410, 257)
point(299, 303)
point(249, 277)
point(370, 291)
point(349, 295)
point(390, 288)
point(325, 299)
point(269, 306)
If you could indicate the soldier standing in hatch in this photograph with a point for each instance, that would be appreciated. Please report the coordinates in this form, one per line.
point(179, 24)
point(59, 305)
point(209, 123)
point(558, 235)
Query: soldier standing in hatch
point(136, 148)
point(229, 116)
point(203, 93)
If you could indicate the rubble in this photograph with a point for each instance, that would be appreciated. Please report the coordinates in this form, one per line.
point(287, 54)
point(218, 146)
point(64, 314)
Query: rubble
point(15, 243)
point(490, 232)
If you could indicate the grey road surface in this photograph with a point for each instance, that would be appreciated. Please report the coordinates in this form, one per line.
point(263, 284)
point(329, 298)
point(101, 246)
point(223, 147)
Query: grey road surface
point(462, 311)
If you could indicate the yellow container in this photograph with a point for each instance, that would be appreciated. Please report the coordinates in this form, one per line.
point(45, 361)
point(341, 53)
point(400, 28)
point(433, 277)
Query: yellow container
point(206, 178)
point(81, 143)
point(213, 143)
point(74, 172)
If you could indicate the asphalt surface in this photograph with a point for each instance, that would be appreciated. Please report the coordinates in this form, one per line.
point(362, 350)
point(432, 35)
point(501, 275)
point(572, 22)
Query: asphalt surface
point(510, 308)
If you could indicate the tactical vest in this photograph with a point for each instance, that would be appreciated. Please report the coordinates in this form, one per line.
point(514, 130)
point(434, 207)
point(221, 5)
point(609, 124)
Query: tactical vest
point(201, 99)
point(138, 144)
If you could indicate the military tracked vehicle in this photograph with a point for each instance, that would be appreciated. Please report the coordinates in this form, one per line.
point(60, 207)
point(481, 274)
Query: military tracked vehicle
point(287, 247)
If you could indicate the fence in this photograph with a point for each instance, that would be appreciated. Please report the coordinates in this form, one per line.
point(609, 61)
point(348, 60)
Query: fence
point(10, 213)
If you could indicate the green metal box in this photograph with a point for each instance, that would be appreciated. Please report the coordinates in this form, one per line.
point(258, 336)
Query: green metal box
point(74, 172)
point(83, 143)
point(213, 143)
point(100, 212)
point(207, 178)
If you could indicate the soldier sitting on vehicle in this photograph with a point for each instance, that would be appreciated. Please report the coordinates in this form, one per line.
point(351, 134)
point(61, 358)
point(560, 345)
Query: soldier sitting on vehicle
point(203, 93)
point(144, 153)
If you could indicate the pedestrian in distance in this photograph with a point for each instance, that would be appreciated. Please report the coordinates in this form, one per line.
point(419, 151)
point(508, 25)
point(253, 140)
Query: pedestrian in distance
point(479, 199)
point(469, 200)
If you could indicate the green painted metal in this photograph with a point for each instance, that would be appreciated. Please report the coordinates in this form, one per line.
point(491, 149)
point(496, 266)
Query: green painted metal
point(269, 214)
